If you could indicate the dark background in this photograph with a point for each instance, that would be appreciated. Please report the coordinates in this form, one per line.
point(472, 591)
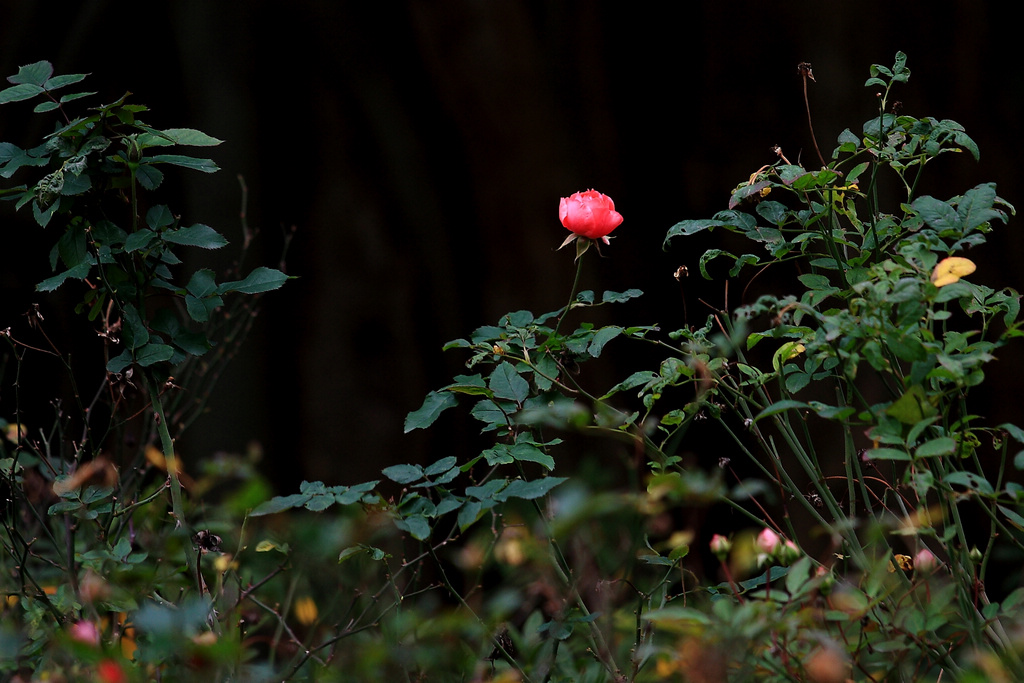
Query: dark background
point(419, 149)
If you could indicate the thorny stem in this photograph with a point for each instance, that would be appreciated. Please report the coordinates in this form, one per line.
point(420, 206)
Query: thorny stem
point(171, 460)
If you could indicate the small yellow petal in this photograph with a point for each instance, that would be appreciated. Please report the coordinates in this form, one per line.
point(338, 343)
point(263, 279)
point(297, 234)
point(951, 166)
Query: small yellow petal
point(950, 270)
point(305, 610)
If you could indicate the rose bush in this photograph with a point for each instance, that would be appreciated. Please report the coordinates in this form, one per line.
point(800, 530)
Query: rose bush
point(589, 214)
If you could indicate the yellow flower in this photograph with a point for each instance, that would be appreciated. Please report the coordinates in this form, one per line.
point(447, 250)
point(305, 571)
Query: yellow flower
point(950, 270)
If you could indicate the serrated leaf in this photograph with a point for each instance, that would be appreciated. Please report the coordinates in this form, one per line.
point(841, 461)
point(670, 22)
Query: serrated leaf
point(79, 272)
point(403, 474)
point(150, 354)
point(529, 490)
point(433, 405)
point(471, 511)
point(202, 283)
point(975, 208)
point(603, 336)
point(63, 80)
point(506, 383)
point(148, 176)
point(120, 362)
point(140, 239)
point(159, 216)
point(198, 235)
point(525, 452)
point(936, 213)
point(36, 73)
point(71, 97)
point(200, 309)
point(260, 280)
point(204, 165)
point(418, 527)
point(18, 93)
point(441, 466)
point(280, 504)
point(191, 137)
point(618, 297)
point(319, 503)
point(886, 454)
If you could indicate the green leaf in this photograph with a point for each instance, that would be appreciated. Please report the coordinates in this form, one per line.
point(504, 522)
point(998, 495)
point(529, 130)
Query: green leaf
point(202, 283)
point(433, 405)
point(886, 454)
point(525, 452)
point(780, 407)
point(968, 480)
point(159, 216)
point(619, 297)
point(471, 511)
point(937, 214)
point(204, 165)
point(506, 383)
point(375, 554)
point(487, 490)
point(943, 445)
point(1014, 518)
point(912, 407)
point(150, 354)
point(148, 176)
point(418, 527)
point(529, 490)
point(134, 332)
point(140, 239)
point(79, 272)
point(18, 93)
point(36, 74)
point(261, 279)
point(441, 466)
point(66, 79)
point(198, 235)
point(603, 336)
point(403, 474)
point(120, 362)
point(200, 309)
point(1013, 430)
point(191, 137)
point(678, 614)
point(975, 207)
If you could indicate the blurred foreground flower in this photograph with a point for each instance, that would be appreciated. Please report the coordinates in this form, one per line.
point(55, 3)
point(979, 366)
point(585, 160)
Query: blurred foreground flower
point(590, 215)
point(720, 546)
point(85, 632)
point(109, 671)
point(306, 611)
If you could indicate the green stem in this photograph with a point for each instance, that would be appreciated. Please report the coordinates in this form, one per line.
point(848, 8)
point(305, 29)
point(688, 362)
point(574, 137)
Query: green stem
point(572, 296)
point(171, 461)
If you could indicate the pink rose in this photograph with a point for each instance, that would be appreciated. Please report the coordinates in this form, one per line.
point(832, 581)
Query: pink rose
point(85, 632)
point(720, 546)
point(925, 560)
point(589, 214)
point(768, 541)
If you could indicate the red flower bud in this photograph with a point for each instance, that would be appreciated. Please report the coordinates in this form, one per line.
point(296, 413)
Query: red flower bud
point(589, 214)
